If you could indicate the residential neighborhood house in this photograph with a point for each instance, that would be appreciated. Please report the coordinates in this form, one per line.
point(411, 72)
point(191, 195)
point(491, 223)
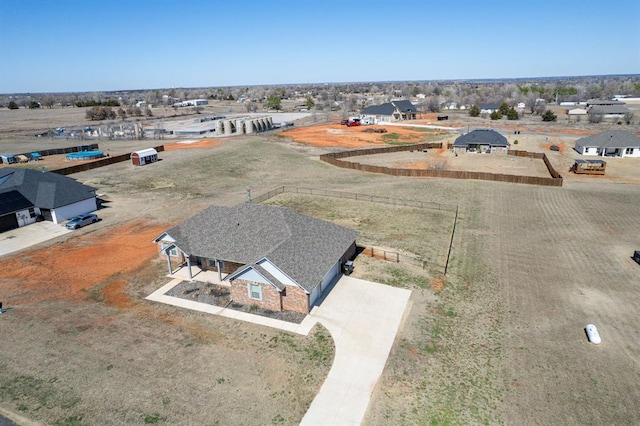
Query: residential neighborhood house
point(390, 111)
point(27, 195)
point(488, 108)
point(272, 257)
point(483, 141)
point(617, 143)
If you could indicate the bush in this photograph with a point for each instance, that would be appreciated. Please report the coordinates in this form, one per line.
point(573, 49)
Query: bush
point(100, 113)
point(34, 105)
point(512, 114)
point(495, 115)
point(474, 111)
point(13, 105)
point(549, 116)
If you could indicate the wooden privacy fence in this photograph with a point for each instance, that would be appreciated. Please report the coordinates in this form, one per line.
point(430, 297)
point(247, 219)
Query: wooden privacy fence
point(335, 159)
point(353, 196)
point(98, 163)
point(68, 150)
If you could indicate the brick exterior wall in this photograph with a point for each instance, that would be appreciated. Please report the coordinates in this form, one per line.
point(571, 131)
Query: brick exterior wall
point(227, 267)
point(270, 295)
point(295, 300)
point(175, 260)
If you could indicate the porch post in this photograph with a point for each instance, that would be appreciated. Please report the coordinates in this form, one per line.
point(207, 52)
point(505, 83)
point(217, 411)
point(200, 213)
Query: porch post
point(189, 266)
point(218, 268)
point(168, 262)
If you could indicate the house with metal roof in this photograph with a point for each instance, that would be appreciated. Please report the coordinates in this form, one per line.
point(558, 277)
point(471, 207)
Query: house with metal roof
point(485, 141)
point(390, 111)
point(618, 143)
point(272, 257)
point(27, 195)
point(615, 112)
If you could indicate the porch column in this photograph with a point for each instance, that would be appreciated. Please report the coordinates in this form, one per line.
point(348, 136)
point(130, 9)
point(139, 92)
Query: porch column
point(189, 266)
point(218, 268)
point(168, 261)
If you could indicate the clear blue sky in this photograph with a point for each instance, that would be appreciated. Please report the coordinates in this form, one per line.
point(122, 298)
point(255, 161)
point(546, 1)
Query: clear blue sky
point(90, 45)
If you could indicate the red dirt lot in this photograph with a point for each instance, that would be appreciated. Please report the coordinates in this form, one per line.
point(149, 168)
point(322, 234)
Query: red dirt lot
point(70, 269)
point(336, 135)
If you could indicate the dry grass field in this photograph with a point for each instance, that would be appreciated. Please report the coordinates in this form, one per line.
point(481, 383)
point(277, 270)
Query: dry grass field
point(498, 340)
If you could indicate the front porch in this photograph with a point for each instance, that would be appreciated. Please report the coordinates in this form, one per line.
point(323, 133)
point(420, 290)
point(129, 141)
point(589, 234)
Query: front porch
point(194, 273)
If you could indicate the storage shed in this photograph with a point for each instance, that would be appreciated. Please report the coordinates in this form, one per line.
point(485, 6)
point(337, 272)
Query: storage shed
point(145, 156)
point(8, 159)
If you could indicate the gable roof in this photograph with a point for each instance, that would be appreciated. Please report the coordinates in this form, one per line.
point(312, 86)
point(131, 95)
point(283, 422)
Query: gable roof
point(303, 247)
point(608, 109)
point(481, 136)
point(389, 108)
point(489, 106)
point(383, 109)
point(610, 139)
point(404, 106)
point(43, 189)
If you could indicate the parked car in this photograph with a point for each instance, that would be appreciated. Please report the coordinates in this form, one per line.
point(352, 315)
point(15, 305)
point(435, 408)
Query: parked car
point(82, 220)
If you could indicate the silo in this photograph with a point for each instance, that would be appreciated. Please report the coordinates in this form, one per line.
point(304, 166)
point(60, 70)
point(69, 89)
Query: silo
point(218, 127)
point(239, 127)
point(249, 126)
point(227, 127)
point(270, 122)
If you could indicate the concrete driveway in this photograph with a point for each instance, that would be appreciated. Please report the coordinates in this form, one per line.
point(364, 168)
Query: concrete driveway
point(363, 318)
point(27, 236)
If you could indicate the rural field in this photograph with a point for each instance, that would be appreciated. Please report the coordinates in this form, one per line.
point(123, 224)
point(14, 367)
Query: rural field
point(499, 339)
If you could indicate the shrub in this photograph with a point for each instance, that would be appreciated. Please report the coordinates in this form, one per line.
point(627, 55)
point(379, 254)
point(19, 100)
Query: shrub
point(549, 116)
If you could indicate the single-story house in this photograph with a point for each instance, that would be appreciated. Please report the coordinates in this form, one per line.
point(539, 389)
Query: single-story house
point(273, 257)
point(617, 143)
point(391, 111)
point(488, 108)
point(484, 141)
point(26, 195)
point(615, 112)
point(576, 114)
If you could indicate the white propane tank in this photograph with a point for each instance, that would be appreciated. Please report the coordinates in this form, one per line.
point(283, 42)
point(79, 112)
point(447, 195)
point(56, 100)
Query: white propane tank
point(592, 334)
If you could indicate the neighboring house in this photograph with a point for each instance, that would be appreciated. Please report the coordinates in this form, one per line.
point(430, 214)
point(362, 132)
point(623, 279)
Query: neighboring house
point(610, 144)
point(488, 108)
point(576, 114)
point(615, 112)
point(484, 141)
point(391, 111)
point(521, 105)
point(26, 194)
point(274, 257)
point(601, 102)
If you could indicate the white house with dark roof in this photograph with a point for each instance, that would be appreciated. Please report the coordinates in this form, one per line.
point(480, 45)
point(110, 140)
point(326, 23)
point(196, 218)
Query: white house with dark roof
point(617, 143)
point(485, 141)
point(391, 111)
point(272, 257)
point(27, 194)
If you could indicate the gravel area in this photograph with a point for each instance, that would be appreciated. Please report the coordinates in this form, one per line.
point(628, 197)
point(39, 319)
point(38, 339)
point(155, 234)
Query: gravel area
point(218, 295)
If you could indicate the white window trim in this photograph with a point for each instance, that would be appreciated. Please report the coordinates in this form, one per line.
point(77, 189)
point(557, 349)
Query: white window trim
point(173, 252)
point(249, 285)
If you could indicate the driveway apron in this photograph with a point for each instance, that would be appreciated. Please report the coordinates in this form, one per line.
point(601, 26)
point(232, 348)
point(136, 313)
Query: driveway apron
point(363, 318)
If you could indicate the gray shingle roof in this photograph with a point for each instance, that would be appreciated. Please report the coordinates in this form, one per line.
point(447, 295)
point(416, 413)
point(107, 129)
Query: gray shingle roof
point(611, 139)
point(389, 108)
point(383, 109)
point(404, 106)
point(608, 109)
point(303, 247)
point(44, 189)
point(481, 136)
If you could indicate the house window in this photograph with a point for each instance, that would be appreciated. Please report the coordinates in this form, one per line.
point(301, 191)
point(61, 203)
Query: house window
point(32, 212)
point(173, 252)
point(629, 151)
point(255, 292)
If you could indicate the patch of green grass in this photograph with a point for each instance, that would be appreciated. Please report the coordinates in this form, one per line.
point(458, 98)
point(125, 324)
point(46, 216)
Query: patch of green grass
point(73, 420)
point(151, 419)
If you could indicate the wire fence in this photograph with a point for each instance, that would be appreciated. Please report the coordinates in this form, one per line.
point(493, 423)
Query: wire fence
point(354, 196)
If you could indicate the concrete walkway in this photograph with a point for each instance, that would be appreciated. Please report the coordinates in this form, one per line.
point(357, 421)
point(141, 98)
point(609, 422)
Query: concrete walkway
point(363, 318)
